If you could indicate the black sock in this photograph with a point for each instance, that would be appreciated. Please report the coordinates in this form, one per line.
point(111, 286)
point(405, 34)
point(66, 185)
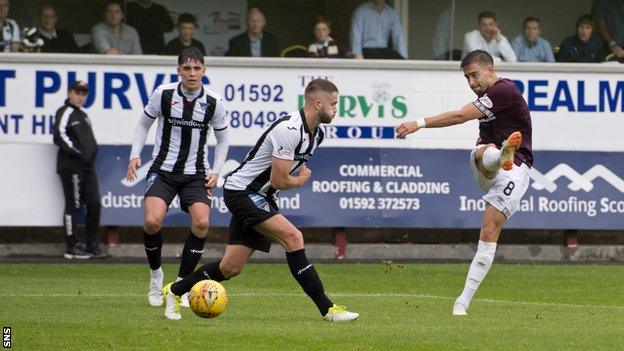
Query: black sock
point(192, 252)
point(207, 271)
point(306, 276)
point(153, 247)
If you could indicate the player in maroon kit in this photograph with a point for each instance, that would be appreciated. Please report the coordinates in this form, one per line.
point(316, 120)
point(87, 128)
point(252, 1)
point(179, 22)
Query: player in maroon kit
point(504, 142)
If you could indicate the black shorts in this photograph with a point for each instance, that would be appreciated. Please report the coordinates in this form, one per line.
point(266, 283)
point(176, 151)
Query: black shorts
point(248, 209)
point(165, 186)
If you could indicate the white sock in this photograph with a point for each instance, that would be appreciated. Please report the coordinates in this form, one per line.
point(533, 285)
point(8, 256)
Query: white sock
point(478, 269)
point(491, 159)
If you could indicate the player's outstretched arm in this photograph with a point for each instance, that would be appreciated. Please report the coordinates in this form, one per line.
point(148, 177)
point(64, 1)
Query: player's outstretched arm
point(138, 141)
point(450, 118)
point(281, 178)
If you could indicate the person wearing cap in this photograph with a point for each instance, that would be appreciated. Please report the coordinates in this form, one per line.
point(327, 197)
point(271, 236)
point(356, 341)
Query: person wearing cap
point(75, 165)
point(187, 25)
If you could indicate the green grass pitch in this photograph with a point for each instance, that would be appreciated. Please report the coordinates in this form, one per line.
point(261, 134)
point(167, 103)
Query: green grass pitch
point(519, 307)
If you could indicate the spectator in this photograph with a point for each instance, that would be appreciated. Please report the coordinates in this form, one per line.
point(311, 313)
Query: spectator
point(489, 38)
point(151, 21)
point(54, 39)
point(255, 42)
point(187, 25)
point(530, 46)
point(373, 25)
point(609, 17)
point(325, 46)
point(10, 40)
point(75, 165)
point(113, 37)
point(584, 46)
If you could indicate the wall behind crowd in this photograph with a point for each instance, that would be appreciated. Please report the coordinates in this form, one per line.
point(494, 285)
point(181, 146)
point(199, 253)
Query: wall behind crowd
point(558, 20)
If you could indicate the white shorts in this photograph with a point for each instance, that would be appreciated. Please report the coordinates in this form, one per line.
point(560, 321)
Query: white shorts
point(504, 191)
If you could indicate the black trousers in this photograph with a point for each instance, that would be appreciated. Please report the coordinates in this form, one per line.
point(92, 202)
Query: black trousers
point(381, 54)
point(81, 187)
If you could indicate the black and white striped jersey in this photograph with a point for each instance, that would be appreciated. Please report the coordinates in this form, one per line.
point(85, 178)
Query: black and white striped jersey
point(288, 138)
point(10, 35)
point(183, 127)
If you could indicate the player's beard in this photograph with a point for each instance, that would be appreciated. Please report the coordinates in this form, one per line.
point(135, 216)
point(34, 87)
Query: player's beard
point(325, 118)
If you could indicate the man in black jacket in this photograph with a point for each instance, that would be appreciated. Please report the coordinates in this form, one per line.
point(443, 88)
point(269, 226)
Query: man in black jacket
point(151, 21)
point(54, 39)
point(255, 42)
point(75, 165)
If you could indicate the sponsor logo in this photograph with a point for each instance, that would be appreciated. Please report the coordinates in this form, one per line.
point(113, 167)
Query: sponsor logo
point(197, 251)
point(291, 128)
point(304, 269)
point(578, 181)
point(260, 202)
point(177, 122)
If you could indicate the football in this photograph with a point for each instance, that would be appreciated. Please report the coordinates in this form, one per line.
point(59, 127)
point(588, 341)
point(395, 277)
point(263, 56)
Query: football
point(208, 299)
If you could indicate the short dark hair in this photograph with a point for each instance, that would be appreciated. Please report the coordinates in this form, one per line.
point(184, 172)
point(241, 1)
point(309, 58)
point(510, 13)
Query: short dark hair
point(477, 56)
point(586, 19)
point(187, 18)
point(191, 53)
point(320, 85)
point(486, 14)
point(322, 19)
point(115, 2)
point(530, 19)
point(46, 6)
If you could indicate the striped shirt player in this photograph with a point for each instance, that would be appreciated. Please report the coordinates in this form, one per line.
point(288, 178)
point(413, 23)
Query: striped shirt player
point(289, 138)
point(276, 162)
point(186, 113)
point(10, 35)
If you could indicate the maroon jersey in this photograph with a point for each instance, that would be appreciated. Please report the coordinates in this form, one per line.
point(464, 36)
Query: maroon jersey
point(505, 112)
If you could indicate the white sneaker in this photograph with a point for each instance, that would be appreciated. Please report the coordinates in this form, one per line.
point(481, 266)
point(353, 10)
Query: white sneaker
point(459, 309)
point(340, 314)
point(172, 303)
point(154, 295)
point(184, 299)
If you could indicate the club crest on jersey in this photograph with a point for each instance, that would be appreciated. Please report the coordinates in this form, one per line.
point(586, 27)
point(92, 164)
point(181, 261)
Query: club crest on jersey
point(485, 100)
point(203, 105)
point(260, 202)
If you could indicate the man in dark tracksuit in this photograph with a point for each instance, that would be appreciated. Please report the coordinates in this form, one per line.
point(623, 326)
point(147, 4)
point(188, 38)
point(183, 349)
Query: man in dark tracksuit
point(75, 165)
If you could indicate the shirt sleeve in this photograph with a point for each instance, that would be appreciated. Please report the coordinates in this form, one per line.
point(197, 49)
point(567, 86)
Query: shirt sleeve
point(284, 141)
point(549, 57)
point(98, 38)
point(16, 35)
point(398, 37)
point(498, 98)
point(220, 120)
point(506, 50)
point(136, 43)
point(152, 109)
point(471, 43)
point(356, 32)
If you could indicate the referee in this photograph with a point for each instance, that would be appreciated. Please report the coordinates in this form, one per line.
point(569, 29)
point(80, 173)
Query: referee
point(75, 165)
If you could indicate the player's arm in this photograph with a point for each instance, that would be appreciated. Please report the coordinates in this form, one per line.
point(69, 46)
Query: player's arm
point(138, 141)
point(284, 142)
point(281, 179)
point(220, 124)
point(466, 113)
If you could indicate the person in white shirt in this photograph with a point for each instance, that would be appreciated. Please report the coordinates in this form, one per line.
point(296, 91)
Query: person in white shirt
point(489, 38)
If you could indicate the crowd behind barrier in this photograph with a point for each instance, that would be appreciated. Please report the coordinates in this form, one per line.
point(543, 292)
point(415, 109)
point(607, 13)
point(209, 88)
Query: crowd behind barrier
point(138, 27)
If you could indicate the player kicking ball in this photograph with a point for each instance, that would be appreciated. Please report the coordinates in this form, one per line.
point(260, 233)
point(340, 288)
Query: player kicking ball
point(277, 162)
point(500, 162)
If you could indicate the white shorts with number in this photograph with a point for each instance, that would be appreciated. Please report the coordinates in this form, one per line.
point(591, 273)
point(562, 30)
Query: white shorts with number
point(504, 191)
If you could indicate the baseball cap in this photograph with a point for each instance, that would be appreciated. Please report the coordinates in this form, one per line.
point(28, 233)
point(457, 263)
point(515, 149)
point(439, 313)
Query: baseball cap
point(80, 85)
